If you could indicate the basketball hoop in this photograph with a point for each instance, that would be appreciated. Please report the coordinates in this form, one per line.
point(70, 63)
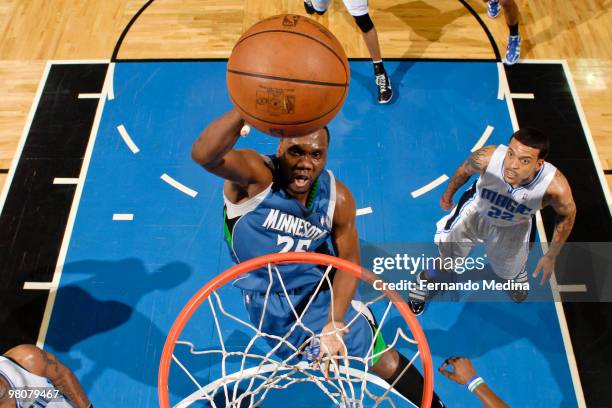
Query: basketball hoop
point(348, 388)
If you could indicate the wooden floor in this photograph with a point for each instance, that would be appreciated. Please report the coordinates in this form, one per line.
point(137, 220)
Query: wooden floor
point(34, 31)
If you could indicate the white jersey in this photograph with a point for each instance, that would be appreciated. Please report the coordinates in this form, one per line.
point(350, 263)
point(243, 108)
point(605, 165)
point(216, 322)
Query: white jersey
point(37, 391)
point(501, 204)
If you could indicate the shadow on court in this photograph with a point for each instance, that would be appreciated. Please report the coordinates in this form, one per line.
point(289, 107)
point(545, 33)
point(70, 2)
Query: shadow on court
point(95, 325)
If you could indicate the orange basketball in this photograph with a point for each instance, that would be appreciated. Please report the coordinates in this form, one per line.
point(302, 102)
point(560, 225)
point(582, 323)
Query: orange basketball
point(288, 75)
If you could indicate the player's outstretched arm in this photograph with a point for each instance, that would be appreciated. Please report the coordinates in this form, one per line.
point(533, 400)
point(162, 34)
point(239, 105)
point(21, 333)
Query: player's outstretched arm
point(346, 246)
point(463, 373)
point(46, 365)
point(559, 196)
point(214, 151)
point(477, 162)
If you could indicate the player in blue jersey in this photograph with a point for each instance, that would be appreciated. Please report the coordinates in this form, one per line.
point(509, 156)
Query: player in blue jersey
point(290, 202)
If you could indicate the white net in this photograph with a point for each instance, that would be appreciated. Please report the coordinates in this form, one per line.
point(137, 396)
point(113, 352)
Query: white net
point(247, 375)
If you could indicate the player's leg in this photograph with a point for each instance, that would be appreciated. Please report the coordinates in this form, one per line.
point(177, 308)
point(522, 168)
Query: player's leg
point(508, 250)
point(390, 365)
point(456, 235)
point(511, 13)
point(359, 10)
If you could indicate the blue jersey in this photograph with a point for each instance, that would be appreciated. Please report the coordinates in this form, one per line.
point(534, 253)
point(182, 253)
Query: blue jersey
point(274, 222)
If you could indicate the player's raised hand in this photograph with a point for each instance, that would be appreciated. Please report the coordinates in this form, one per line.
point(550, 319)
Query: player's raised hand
point(462, 369)
point(332, 345)
point(446, 202)
point(546, 264)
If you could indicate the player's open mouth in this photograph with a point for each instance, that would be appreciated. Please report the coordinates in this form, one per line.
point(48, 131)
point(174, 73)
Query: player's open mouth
point(510, 174)
point(301, 181)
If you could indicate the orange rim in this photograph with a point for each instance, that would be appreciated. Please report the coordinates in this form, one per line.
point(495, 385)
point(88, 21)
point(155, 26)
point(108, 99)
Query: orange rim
point(290, 257)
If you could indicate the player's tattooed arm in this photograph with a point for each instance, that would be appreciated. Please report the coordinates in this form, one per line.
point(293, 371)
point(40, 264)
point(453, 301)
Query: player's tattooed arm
point(477, 162)
point(559, 196)
point(46, 365)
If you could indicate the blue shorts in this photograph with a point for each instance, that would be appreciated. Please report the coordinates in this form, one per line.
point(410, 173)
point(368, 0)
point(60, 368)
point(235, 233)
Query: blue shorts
point(279, 319)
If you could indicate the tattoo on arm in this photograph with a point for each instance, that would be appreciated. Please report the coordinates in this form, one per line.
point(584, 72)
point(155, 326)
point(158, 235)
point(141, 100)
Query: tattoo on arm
point(475, 163)
point(565, 207)
point(64, 380)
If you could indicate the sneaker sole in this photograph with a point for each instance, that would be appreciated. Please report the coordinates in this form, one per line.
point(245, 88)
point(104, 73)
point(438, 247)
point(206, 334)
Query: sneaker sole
point(387, 101)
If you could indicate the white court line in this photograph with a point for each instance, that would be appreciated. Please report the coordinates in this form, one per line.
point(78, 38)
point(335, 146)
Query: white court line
point(127, 139)
point(483, 139)
point(38, 286)
point(111, 75)
point(522, 96)
point(430, 186)
point(78, 62)
point(364, 211)
point(587, 131)
point(179, 186)
point(65, 180)
point(59, 267)
point(544, 61)
point(502, 83)
point(89, 96)
point(572, 288)
point(24, 135)
point(567, 341)
point(123, 217)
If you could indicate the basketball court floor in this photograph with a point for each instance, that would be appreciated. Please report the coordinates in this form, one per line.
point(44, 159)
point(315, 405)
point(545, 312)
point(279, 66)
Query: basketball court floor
point(145, 229)
point(134, 227)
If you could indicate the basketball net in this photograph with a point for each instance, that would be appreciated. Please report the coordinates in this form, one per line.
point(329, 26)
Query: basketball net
point(253, 374)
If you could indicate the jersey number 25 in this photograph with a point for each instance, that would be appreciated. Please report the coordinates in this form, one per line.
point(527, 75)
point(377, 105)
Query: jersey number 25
point(289, 244)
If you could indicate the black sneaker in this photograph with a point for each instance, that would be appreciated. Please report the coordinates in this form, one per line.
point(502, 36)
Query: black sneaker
point(417, 298)
point(310, 9)
point(518, 295)
point(385, 93)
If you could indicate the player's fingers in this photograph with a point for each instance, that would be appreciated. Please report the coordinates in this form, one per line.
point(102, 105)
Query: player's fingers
point(536, 271)
point(246, 129)
point(545, 276)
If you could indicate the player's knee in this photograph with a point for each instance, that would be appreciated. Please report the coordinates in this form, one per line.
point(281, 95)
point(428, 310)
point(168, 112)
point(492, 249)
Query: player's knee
point(364, 22)
point(387, 365)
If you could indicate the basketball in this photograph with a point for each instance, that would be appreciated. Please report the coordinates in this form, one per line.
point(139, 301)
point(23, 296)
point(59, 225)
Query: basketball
point(288, 75)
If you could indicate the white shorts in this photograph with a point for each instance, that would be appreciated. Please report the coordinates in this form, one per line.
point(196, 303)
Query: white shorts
point(355, 7)
point(506, 248)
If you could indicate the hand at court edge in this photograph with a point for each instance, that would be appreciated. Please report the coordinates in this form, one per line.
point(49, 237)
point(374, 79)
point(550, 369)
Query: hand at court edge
point(332, 345)
point(446, 202)
point(462, 371)
point(546, 264)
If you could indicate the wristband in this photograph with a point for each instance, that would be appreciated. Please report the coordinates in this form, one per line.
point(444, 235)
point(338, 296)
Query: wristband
point(474, 383)
point(468, 382)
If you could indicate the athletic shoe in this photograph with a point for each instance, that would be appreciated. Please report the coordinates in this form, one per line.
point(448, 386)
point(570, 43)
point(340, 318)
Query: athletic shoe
point(310, 8)
point(385, 93)
point(513, 54)
point(518, 295)
point(493, 8)
point(418, 297)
